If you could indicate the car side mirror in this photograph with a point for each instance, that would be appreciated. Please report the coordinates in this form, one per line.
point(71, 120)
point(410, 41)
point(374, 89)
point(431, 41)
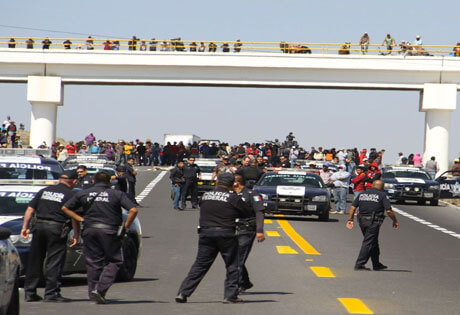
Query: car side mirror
point(4, 233)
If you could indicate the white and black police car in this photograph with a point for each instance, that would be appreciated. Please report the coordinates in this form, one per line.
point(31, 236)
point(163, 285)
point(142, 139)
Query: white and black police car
point(206, 183)
point(449, 184)
point(21, 177)
point(410, 183)
point(294, 192)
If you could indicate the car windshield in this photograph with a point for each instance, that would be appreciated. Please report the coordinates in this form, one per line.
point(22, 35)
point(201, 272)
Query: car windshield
point(290, 180)
point(29, 171)
point(14, 202)
point(206, 168)
point(406, 174)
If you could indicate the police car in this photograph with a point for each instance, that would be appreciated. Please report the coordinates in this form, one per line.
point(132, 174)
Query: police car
point(13, 204)
point(410, 183)
point(94, 163)
point(315, 166)
point(297, 192)
point(449, 184)
point(206, 183)
point(10, 268)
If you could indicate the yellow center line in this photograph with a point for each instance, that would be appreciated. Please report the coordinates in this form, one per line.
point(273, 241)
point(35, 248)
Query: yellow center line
point(322, 272)
point(299, 240)
point(273, 233)
point(268, 221)
point(355, 306)
point(286, 250)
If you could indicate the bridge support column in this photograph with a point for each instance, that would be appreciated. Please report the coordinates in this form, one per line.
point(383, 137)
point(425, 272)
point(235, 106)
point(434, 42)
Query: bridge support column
point(438, 101)
point(44, 94)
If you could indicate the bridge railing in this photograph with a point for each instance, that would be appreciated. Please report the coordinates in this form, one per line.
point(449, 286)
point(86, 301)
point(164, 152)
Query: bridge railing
point(226, 46)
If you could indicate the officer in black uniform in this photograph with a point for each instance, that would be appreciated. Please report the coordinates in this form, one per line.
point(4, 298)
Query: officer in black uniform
point(103, 230)
point(248, 228)
point(218, 211)
point(250, 172)
point(122, 179)
point(372, 204)
point(84, 180)
point(131, 179)
point(192, 173)
point(49, 240)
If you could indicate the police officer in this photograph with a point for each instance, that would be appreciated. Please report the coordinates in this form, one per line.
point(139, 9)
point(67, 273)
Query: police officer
point(103, 230)
point(50, 237)
point(372, 204)
point(218, 211)
point(131, 179)
point(248, 229)
point(122, 179)
point(192, 173)
point(84, 180)
point(250, 172)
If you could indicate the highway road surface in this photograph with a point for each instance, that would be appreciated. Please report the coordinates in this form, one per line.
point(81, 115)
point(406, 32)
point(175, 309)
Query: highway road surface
point(304, 266)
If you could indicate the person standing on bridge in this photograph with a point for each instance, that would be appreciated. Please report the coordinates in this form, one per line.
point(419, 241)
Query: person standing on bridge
point(218, 211)
point(364, 43)
point(372, 205)
point(388, 42)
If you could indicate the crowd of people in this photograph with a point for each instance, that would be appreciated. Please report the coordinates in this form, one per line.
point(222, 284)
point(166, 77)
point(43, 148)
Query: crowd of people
point(8, 134)
point(405, 47)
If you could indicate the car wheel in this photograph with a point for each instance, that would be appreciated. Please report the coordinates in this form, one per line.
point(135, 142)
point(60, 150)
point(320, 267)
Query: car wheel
point(13, 307)
point(434, 202)
point(130, 252)
point(324, 216)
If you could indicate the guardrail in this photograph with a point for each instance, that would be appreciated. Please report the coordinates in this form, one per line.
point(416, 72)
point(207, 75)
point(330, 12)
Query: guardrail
point(153, 45)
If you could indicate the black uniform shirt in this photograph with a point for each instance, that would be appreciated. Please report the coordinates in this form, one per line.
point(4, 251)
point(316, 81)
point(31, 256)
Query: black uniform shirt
point(250, 172)
point(256, 203)
point(220, 208)
point(191, 171)
point(122, 183)
point(84, 182)
point(106, 207)
point(130, 170)
point(372, 200)
point(49, 201)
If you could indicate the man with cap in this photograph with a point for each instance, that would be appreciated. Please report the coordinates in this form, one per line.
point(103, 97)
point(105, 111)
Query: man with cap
point(49, 238)
point(248, 228)
point(131, 178)
point(372, 205)
point(341, 182)
point(456, 168)
point(84, 180)
point(218, 211)
point(359, 184)
point(103, 231)
point(192, 173)
point(223, 167)
point(122, 183)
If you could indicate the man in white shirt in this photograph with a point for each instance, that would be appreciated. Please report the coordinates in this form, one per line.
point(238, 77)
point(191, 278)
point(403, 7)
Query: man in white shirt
point(340, 191)
point(341, 155)
point(7, 122)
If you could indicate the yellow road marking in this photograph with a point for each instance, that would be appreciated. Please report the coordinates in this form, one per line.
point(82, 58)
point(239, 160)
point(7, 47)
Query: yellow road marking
point(355, 306)
point(272, 233)
point(322, 272)
point(308, 259)
point(286, 250)
point(299, 240)
point(268, 221)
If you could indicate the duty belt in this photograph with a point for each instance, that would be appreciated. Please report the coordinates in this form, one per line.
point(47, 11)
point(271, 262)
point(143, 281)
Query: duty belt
point(50, 222)
point(100, 226)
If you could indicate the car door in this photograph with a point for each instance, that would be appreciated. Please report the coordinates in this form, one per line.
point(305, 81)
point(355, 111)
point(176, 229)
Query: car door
point(449, 186)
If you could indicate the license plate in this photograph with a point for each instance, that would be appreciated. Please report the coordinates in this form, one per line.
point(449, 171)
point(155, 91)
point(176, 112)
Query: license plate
point(428, 195)
point(311, 207)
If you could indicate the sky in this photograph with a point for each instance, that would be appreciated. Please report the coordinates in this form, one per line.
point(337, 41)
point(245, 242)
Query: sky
point(328, 118)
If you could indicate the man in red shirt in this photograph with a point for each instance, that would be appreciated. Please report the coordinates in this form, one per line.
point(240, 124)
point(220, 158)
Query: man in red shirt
point(358, 181)
point(71, 148)
point(372, 174)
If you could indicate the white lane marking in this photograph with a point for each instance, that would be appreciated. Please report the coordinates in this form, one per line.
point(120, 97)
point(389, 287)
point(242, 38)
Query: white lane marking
point(150, 186)
point(429, 224)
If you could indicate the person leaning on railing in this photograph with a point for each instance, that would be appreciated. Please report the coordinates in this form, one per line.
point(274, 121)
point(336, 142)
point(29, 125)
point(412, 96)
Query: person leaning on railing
point(456, 50)
point(30, 43)
point(364, 43)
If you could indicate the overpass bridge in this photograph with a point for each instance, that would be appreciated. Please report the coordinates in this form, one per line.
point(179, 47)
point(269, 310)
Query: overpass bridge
point(45, 72)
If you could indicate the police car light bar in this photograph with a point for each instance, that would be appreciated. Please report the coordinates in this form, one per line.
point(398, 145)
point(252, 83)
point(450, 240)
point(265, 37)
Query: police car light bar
point(25, 152)
point(29, 182)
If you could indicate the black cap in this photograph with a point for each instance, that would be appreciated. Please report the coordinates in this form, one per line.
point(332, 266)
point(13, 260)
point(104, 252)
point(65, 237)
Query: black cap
point(82, 167)
point(121, 168)
point(226, 179)
point(69, 174)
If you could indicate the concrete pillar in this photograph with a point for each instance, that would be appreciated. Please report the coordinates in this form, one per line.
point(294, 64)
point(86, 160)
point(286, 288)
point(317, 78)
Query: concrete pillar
point(438, 101)
point(44, 94)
